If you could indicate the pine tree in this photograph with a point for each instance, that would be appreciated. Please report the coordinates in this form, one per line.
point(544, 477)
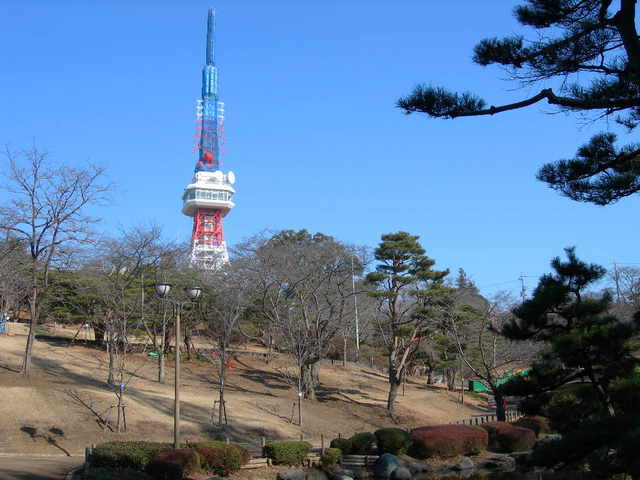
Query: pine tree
point(587, 381)
point(407, 288)
point(595, 51)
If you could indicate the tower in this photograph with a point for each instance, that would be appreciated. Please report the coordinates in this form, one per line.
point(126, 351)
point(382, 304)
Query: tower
point(208, 197)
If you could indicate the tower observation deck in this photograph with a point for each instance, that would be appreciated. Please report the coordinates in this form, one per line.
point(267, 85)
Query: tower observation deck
point(208, 197)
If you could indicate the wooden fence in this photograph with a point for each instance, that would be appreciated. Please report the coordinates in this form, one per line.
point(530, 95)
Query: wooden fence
point(511, 415)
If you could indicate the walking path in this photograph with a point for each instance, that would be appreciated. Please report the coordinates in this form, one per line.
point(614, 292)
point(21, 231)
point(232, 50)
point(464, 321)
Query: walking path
point(37, 468)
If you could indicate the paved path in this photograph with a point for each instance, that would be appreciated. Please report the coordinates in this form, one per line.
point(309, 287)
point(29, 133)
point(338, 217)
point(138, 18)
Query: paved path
point(37, 468)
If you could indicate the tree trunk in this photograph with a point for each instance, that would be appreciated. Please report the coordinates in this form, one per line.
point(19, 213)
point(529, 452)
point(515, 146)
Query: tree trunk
point(430, 376)
point(450, 375)
point(28, 351)
point(308, 383)
point(344, 351)
point(500, 410)
point(98, 333)
point(111, 353)
point(394, 385)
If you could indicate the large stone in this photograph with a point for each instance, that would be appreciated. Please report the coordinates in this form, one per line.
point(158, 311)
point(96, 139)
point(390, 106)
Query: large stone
point(401, 473)
point(385, 465)
point(465, 464)
point(292, 475)
point(502, 463)
point(316, 474)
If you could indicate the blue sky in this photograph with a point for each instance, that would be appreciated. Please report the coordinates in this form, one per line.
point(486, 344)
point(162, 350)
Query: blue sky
point(312, 131)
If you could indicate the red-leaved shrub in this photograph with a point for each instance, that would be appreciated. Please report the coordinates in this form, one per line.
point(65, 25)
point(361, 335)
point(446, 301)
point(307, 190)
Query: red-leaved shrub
point(536, 423)
point(447, 441)
point(173, 464)
point(508, 438)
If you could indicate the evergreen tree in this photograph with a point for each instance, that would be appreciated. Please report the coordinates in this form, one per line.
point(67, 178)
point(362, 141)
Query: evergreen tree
point(587, 381)
point(407, 288)
point(594, 50)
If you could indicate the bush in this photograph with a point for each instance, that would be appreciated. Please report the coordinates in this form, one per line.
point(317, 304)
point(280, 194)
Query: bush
point(123, 455)
point(331, 456)
point(245, 456)
point(287, 452)
point(507, 438)
point(342, 444)
point(219, 460)
point(447, 441)
point(363, 444)
point(102, 473)
point(392, 440)
point(174, 464)
point(536, 423)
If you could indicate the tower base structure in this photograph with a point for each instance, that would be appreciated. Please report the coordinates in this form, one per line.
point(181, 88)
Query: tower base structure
point(208, 247)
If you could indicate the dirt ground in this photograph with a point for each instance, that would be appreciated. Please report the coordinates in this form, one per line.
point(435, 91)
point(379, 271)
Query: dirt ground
point(57, 409)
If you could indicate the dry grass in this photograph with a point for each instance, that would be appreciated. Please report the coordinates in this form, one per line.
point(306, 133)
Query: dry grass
point(56, 408)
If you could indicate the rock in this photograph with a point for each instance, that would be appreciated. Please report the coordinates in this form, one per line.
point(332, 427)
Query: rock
point(465, 464)
point(554, 437)
point(521, 458)
point(502, 463)
point(292, 475)
point(401, 473)
point(316, 474)
point(416, 467)
point(385, 465)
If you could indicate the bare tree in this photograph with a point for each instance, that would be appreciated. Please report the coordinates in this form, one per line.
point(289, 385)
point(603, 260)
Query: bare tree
point(46, 209)
point(229, 293)
point(14, 284)
point(487, 354)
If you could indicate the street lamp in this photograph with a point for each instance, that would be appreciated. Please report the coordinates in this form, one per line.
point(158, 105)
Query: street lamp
point(193, 292)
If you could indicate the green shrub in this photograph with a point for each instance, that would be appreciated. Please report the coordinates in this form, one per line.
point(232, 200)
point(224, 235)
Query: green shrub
point(102, 473)
point(123, 455)
point(221, 461)
point(245, 456)
point(174, 464)
point(392, 440)
point(363, 444)
point(331, 456)
point(287, 452)
point(342, 444)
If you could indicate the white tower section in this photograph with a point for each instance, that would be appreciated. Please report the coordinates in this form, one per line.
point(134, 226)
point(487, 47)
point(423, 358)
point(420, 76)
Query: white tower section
point(208, 200)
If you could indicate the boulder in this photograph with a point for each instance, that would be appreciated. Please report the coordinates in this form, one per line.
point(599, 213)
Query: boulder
point(315, 474)
point(401, 473)
point(447, 441)
point(292, 475)
point(465, 464)
point(385, 465)
point(501, 463)
point(534, 422)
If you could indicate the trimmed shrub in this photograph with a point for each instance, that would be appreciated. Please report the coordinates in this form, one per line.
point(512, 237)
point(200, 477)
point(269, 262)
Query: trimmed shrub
point(174, 464)
point(507, 438)
point(219, 460)
point(102, 473)
point(363, 444)
point(245, 456)
point(342, 444)
point(536, 423)
point(287, 452)
point(331, 456)
point(392, 440)
point(123, 455)
point(447, 441)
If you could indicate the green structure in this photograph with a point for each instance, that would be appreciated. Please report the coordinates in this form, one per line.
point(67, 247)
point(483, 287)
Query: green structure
point(480, 386)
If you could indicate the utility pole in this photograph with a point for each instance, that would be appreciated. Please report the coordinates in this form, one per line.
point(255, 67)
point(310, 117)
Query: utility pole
point(355, 306)
point(176, 407)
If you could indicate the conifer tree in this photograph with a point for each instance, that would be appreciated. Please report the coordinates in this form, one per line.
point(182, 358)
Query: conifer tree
point(587, 381)
point(407, 288)
point(592, 47)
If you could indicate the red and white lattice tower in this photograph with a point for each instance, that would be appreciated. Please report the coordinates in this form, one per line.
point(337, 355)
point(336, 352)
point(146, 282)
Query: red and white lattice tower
point(208, 197)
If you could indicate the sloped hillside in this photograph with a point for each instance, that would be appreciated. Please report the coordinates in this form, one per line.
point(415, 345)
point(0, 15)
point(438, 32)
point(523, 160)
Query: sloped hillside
point(60, 407)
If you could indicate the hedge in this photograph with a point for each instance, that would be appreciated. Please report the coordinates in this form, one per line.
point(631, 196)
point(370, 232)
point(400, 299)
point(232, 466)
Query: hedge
point(331, 456)
point(507, 438)
point(245, 456)
point(536, 423)
point(126, 455)
point(362, 444)
point(287, 452)
point(392, 440)
point(342, 444)
point(447, 441)
point(174, 464)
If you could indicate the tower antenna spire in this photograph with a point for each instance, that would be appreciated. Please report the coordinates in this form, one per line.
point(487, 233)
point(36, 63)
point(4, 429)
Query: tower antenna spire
point(211, 37)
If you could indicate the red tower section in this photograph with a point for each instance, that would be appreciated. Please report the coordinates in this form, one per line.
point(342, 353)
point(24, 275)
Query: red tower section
point(207, 227)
